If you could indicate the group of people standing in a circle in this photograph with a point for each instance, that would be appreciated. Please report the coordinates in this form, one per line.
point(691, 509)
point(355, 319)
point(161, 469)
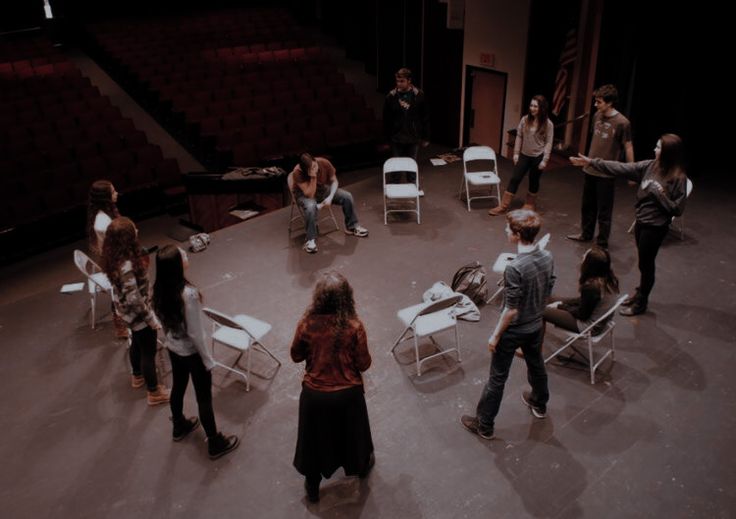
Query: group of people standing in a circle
point(333, 425)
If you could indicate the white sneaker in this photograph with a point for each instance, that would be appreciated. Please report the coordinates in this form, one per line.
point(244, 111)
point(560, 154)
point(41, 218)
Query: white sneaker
point(310, 246)
point(421, 192)
point(360, 232)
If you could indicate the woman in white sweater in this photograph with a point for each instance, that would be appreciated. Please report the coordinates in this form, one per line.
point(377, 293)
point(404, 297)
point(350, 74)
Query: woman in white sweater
point(178, 305)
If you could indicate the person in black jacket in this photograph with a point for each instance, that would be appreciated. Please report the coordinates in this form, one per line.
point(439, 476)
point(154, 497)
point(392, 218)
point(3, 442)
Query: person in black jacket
point(597, 286)
point(405, 118)
point(661, 196)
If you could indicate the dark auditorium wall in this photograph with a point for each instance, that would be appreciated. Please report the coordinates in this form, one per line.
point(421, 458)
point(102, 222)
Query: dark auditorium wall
point(16, 15)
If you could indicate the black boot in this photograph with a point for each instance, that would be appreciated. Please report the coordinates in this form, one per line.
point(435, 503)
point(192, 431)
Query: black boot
point(183, 427)
point(311, 485)
point(220, 445)
point(639, 306)
point(633, 299)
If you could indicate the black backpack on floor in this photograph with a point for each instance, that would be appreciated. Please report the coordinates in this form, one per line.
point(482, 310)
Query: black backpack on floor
point(471, 281)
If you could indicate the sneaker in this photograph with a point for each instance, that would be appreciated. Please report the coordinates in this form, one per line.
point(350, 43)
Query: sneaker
point(360, 232)
point(183, 428)
point(137, 381)
point(472, 424)
point(310, 246)
point(537, 411)
point(220, 445)
point(421, 192)
point(578, 237)
point(160, 396)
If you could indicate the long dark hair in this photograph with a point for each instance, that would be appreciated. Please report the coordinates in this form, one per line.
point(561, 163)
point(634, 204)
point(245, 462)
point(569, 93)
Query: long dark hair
point(121, 245)
point(333, 295)
point(542, 115)
point(671, 156)
point(596, 266)
point(100, 199)
point(168, 288)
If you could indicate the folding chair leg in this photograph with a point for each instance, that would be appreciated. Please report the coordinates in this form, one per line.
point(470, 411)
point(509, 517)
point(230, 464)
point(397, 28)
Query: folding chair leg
point(265, 350)
point(591, 361)
point(416, 352)
point(93, 307)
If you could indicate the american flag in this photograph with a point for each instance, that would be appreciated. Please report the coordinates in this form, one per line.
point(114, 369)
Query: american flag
point(562, 81)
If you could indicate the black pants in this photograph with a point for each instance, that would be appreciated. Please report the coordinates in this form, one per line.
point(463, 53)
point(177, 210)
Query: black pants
point(530, 164)
point(405, 149)
point(181, 369)
point(597, 204)
point(142, 355)
point(531, 345)
point(648, 240)
point(561, 318)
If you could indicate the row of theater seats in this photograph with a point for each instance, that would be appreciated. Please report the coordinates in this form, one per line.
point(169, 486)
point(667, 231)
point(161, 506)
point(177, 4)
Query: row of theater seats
point(58, 135)
point(268, 98)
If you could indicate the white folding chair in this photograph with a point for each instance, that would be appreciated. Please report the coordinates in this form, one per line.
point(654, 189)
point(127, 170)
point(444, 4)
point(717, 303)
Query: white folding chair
point(503, 259)
point(426, 320)
point(480, 179)
point(297, 212)
point(404, 194)
point(587, 335)
point(96, 281)
point(680, 229)
point(241, 333)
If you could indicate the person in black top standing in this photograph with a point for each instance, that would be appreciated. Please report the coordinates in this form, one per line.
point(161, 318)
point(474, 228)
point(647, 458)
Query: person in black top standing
point(405, 118)
point(661, 196)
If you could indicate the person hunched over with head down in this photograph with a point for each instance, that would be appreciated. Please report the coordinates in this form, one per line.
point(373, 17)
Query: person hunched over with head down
point(178, 305)
point(333, 419)
point(123, 262)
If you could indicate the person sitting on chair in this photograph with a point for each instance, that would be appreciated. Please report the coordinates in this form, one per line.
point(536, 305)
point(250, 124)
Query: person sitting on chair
point(315, 186)
point(597, 285)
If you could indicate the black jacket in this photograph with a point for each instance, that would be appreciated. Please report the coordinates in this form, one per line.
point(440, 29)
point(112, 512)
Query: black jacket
point(406, 125)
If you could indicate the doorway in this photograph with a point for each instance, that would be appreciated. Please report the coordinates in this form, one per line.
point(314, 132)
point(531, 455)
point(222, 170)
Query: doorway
point(485, 98)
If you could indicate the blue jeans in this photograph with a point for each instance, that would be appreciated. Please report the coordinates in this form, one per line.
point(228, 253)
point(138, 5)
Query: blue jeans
point(309, 205)
point(531, 345)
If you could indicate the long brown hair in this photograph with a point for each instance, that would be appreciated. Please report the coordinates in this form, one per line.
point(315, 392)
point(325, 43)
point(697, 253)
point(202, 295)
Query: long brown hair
point(596, 266)
point(333, 295)
point(100, 199)
point(542, 115)
point(121, 245)
point(671, 156)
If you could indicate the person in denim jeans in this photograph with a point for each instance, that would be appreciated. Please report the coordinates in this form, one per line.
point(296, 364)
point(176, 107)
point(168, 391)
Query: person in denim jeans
point(528, 281)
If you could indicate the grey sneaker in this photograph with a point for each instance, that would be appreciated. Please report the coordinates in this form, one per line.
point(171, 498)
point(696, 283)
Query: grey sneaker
point(310, 246)
point(537, 411)
point(360, 232)
point(472, 424)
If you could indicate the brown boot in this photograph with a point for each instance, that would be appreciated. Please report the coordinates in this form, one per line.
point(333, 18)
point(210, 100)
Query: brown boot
point(160, 396)
point(531, 201)
point(503, 206)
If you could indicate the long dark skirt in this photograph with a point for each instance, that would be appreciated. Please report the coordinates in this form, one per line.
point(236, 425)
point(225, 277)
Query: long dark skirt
point(333, 432)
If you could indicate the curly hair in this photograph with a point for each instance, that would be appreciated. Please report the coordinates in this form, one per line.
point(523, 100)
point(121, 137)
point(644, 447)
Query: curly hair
point(121, 245)
point(168, 288)
point(100, 199)
point(333, 295)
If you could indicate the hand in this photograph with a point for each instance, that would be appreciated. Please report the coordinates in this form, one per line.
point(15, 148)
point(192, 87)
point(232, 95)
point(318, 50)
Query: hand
point(657, 186)
point(326, 201)
point(493, 343)
point(580, 161)
point(516, 159)
point(542, 165)
point(555, 304)
point(645, 183)
point(425, 144)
